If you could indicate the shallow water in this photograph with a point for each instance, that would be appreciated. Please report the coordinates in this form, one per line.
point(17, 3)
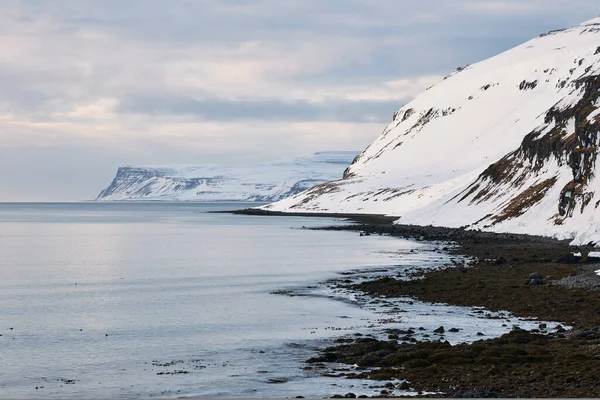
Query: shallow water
point(96, 293)
point(125, 300)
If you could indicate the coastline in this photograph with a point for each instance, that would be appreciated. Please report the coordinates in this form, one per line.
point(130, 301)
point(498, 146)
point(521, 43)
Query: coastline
point(535, 363)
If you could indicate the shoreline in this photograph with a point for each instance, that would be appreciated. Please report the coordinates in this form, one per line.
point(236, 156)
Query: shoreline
point(361, 218)
point(535, 363)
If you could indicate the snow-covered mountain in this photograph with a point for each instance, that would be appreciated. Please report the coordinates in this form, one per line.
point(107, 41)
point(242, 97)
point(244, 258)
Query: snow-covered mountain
point(261, 182)
point(507, 144)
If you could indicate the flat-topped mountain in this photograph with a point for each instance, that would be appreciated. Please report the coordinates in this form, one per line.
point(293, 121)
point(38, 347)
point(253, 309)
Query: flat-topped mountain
point(507, 144)
point(212, 182)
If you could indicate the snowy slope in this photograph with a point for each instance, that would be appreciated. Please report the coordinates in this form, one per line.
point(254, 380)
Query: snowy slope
point(507, 144)
point(260, 182)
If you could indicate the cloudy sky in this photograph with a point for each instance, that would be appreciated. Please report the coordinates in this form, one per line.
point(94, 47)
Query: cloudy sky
point(88, 85)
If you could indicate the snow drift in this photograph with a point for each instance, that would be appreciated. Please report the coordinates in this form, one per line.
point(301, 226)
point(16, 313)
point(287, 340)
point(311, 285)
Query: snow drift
point(507, 144)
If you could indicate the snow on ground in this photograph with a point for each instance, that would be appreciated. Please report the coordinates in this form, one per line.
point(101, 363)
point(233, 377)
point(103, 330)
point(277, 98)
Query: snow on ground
point(501, 145)
point(259, 182)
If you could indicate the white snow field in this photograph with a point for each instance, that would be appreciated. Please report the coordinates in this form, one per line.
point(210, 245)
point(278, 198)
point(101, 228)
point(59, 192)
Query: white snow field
point(260, 182)
point(508, 145)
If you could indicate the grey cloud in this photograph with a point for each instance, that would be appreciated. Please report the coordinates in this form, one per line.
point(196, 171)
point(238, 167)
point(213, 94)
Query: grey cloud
point(216, 109)
point(83, 51)
point(185, 20)
point(435, 44)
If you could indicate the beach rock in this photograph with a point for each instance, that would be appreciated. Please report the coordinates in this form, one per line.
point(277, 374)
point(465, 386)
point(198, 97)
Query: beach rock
point(439, 330)
point(350, 396)
point(517, 330)
point(327, 357)
point(476, 394)
point(569, 259)
point(277, 380)
point(587, 335)
point(500, 261)
point(454, 330)
point(593, 258)
point(536, 278)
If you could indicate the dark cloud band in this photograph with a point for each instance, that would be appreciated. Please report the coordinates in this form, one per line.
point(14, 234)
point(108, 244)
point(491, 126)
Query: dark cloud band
point(216, 109)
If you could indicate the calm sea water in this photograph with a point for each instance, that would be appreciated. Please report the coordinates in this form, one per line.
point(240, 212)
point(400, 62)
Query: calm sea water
point(107, 300)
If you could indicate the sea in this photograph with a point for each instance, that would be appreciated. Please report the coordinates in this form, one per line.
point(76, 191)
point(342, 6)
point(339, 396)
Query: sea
point(168, 300)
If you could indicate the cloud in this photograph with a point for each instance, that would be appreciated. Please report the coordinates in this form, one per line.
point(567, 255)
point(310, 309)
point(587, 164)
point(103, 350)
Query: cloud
point(137, 81)
point(496, 7)
point(214, 109)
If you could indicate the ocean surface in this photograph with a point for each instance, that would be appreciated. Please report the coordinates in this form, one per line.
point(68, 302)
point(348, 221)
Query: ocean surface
point(126, 300)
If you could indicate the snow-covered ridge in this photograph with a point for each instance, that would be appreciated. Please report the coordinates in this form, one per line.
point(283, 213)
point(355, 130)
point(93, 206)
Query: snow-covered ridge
point(507, 144)
point(211, 182)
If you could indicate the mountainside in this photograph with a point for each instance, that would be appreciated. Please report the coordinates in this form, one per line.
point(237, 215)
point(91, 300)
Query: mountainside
point(261, 182)
point(507, 144)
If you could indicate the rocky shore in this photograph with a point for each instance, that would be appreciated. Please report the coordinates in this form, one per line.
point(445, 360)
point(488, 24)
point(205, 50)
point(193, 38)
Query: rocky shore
point(529, 276)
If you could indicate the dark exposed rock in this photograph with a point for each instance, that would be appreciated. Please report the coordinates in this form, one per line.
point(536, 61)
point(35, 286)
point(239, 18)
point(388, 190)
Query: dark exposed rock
point(525, 85)
point(536, 275)
point(476, 394)
point(535, 282)
point(587, 334)
point(277, 380)
point(327, 357)
point(592, 260)
point(439, 330)
point(500, 261)
point(568, 259)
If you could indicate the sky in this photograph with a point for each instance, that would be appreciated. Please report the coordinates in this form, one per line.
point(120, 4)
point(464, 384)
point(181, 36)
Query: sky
point(89, 85)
